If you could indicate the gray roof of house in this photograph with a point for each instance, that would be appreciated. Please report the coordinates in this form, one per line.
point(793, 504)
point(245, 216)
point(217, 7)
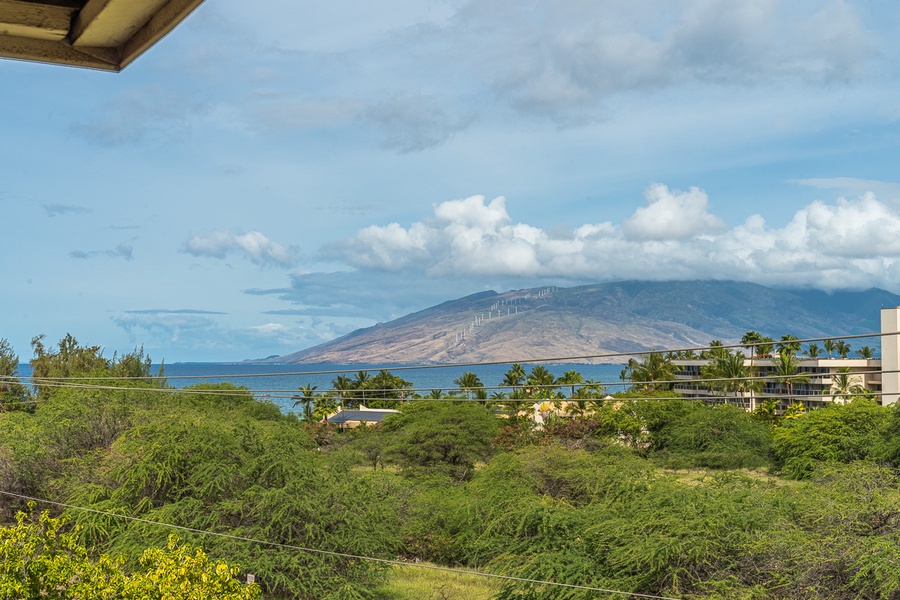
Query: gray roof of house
point(371, 416)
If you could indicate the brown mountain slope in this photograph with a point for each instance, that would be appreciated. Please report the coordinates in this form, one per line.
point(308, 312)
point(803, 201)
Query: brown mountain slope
point(542, 323)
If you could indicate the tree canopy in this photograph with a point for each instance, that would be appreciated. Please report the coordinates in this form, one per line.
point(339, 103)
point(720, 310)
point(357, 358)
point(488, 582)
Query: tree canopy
point(442, 437)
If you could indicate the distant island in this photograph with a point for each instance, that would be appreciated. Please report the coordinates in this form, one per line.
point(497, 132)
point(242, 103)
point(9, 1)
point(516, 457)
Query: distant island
point(583, 321)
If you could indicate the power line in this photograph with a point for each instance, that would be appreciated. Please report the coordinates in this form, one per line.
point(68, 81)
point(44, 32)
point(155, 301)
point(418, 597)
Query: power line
point(334, 553)
point(403, 394)
point(530, 361)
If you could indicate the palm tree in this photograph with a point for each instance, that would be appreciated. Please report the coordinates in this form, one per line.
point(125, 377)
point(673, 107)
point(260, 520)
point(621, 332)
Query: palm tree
point(866, 352)
point(788, 343)
point(518, 400)
point(813, 351)
point(843, 348)
point(845, 385)
point(570, 378)
point(542, 379)
point(787, 369)
point(626, 373)
point(514, 377)
point(590, 390)
point(306, 397)
point(578, 408)
point(467, 382)
point(751, 339)
point(387, 386)
point(764, 347)
point(734, 375)
point(361, 382)
point(715, 350)
point(325, 407)
point(652, 368)
point(830, 346)
point(344, 386)
point(765, 410)
point(435, 395)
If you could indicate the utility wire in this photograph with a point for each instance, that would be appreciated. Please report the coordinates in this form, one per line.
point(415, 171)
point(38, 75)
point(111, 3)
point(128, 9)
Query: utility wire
point(530, 361)
point(334, 553)
point(74, 384)
point(362, 395)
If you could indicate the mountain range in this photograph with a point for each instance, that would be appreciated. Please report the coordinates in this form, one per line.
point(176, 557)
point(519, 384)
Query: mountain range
point(585, 321)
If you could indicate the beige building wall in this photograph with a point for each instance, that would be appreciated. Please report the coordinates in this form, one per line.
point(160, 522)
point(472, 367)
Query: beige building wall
point(890, 355)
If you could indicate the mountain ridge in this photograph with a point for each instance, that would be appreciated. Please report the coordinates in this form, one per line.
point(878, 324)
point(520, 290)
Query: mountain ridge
point(585, 321)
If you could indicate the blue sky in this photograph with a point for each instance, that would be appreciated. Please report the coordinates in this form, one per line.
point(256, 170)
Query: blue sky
point(273, 175)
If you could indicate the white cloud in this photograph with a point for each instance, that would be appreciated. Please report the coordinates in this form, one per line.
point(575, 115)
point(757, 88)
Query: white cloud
point(252, 245)
point(849, 243)
point(672, 215)
point(465, 236)
point(391, 247)
point(864, 228)
point(472, 212)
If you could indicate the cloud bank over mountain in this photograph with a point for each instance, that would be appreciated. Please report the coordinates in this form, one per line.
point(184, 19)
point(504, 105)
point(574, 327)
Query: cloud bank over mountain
point(850, 243)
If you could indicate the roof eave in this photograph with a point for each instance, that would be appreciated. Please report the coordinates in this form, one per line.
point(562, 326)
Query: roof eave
point(105, 34)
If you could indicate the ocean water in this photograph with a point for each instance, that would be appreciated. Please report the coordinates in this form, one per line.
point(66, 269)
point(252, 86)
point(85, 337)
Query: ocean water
point(278, 382)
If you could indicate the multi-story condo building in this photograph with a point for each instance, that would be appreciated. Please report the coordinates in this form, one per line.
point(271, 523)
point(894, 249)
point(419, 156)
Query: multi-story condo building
point(820, 377)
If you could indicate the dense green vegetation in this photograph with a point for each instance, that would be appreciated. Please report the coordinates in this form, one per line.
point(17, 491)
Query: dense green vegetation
point(633, 493)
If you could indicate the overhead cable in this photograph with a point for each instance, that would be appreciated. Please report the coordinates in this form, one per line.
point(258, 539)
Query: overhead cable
point(530, 361)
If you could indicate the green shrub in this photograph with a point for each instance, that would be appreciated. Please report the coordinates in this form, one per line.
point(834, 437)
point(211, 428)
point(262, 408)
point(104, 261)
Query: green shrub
point(719, 437)
point(441, 437)
point(838, 433)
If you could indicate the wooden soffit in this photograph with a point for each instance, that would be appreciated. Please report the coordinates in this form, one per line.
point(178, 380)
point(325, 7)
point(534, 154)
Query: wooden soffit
point(98, 34)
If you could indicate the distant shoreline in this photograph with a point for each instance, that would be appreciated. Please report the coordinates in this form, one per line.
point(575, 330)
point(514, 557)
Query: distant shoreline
point(279, 382)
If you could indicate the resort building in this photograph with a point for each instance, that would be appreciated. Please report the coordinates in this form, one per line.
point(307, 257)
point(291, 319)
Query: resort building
point(890, 355)
point(820, 379)
point(816, 388)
